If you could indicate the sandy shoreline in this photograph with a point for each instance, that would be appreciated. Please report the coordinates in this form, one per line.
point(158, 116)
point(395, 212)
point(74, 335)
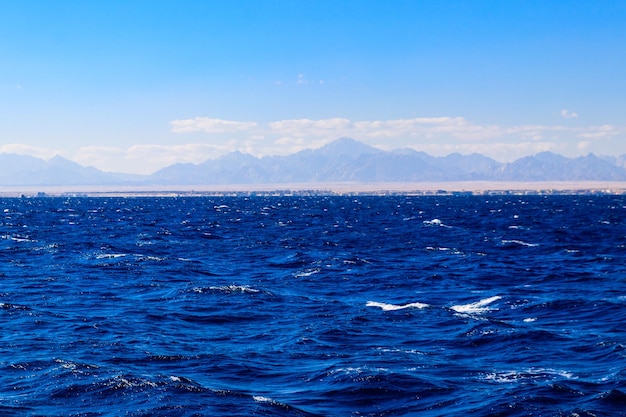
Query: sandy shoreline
point(476, 187)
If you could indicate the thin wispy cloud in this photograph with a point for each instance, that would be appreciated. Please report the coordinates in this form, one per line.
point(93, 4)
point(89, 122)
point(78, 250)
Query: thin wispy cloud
point(315, 127)
point(569, 114)
point(600, 132)
point(209, 125)
point(418, 129)
point(303, 80)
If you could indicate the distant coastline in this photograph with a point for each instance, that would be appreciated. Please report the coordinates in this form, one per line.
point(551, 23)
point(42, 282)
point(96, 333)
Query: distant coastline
point(324, 188)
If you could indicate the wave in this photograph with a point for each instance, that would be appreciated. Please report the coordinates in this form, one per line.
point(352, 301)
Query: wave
point(435, 222)
point(17, 238)
point(527, 374)
point(378, 316)
point(307, 273)
point(518, 242)
point(228, 289)
point(477, 307)
point(392, 307)
point(111, 255)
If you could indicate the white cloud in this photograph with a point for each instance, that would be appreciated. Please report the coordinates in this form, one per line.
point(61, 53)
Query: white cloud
point(209, 125)
point(304, 127)
point(410, 127)
point(569, 114)
point(420, 128)
point(600, 132)
point(287, 141)
point(302, 80)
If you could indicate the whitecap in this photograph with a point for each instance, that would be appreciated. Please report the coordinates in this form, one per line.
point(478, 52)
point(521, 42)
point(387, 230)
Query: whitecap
point(307, 273)
point(477, 307)
point(232, 288)
point(392, 307)
point(17, 238)
point(149, 258)
point(519, 242)
point(267, 400)
point(435, 222)
point(436, 248)
point(528, 374)
point(119, 382)
point(261, 399)
point(110, 255)
point(398, 350)
point(356, 370)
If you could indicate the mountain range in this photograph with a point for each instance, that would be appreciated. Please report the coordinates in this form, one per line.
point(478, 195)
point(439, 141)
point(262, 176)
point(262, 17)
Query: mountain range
point(344, 160)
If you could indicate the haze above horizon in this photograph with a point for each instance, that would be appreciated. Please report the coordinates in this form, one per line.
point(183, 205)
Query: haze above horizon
point(133, 86)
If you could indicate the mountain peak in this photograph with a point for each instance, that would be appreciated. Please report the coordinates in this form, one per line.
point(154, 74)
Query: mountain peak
point(347, 147)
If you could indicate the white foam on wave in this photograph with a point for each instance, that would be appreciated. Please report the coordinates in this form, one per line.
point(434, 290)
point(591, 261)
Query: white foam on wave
point(267, 400)
point(262, 399)
point(110, 255)
point(437, 248)
point(527, 374)
point(17, 238)
point(477, 307)
point(356, 371)
point(435, 222)
point(520, 242)
point(398, 350)
point(234, 288)
point(149, 258)
point(392, 307)
point(119, 382)
point(307, 273)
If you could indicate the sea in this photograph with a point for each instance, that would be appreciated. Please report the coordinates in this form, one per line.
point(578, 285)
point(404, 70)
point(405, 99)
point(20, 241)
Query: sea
point(478, 305)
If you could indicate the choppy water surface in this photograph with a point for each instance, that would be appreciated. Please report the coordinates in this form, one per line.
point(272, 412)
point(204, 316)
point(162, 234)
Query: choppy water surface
point(329, 306)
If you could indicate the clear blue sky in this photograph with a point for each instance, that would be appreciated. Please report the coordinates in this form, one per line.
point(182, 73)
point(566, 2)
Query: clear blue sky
point(136, 85)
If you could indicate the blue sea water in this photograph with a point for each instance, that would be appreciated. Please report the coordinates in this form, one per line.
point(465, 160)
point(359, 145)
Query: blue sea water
point(313, 306)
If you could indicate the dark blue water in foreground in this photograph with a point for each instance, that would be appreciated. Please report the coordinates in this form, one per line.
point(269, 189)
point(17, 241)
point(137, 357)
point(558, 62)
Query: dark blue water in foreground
point(329, 306)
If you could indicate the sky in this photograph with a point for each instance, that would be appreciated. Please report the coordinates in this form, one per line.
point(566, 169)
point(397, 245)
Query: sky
point(133, 86)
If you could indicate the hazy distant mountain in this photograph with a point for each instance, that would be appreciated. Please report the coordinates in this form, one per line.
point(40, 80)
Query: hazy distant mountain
point(348, 160)
point(620, 160)
point(550, 166)
point(342, 160)
point(27, 170)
